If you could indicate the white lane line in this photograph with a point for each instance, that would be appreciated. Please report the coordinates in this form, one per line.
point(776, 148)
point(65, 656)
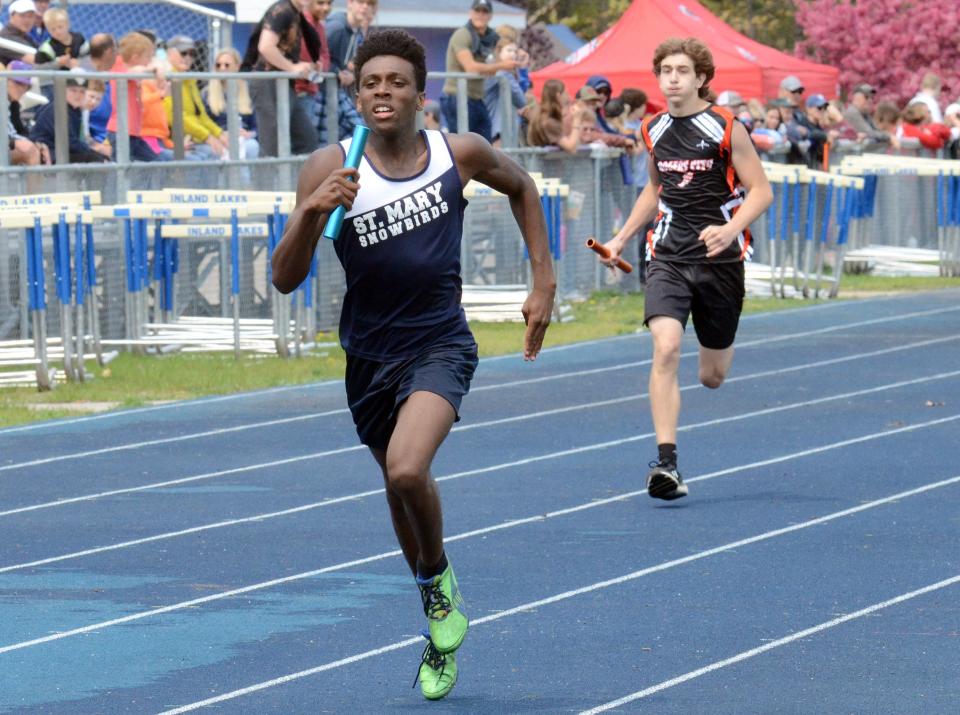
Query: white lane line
point(739, 469)
point(747, 654)
point(201, 401)
point(515, 383)
point(566, 595)
point(168, 440)
point(543, 413)
point(695, 353)
point(534, 415)
point(459, 475)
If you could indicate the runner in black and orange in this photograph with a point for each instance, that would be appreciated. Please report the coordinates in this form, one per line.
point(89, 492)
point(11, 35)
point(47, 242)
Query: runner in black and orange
point(702, 160)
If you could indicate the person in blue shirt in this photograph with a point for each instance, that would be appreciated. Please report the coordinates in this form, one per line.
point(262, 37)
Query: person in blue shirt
point(508, 52)
point(39, 31)
point(103, 55)
point(410, 353)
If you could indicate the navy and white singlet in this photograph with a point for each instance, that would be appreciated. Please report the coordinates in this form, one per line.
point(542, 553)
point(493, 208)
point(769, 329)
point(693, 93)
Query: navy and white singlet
point(400, 250)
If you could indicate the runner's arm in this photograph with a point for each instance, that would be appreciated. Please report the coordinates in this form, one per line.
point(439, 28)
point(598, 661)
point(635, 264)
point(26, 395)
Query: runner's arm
point(322, 186)
point(643, 212)
point(747, 164)
point(478, 160)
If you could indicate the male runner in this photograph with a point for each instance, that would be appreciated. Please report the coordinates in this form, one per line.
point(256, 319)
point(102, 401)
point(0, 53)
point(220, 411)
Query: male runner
point(410, 353)
point(701, 161)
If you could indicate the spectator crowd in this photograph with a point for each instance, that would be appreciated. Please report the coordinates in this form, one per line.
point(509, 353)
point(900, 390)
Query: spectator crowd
point(305, 38)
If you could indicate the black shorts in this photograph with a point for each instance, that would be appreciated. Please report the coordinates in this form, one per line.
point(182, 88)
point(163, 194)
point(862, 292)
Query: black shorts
point(376, 389)
point(712, 292)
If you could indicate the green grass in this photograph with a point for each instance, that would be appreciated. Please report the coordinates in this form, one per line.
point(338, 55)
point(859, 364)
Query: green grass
point(864, 282)
point(131, 380)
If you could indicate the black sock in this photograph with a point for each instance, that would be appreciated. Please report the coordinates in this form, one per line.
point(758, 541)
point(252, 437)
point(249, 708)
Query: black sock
point(425, 572)
point(668, 454)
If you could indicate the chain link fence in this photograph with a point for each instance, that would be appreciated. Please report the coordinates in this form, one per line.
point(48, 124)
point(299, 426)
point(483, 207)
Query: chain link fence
point(211, 29)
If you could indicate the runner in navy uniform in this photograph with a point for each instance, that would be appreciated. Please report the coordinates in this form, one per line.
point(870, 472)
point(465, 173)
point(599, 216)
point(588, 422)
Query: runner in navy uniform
point(410, 353)
point(701, 160)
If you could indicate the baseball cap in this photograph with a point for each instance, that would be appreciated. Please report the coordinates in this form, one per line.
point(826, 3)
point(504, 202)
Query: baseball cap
point(482, 5)
point(953, 108)
point(816, 100)
point(791, 83)
point(181, 43)
point(20, 65)
point(587, 94)
point(865, 88)
point(22, 7)
point(729, 98)
point(77, 78)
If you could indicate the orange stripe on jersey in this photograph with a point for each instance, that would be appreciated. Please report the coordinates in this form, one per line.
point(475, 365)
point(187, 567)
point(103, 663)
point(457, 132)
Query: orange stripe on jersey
point(653, 252)
point(726, 146)
point(747, 240)
point(645, 131)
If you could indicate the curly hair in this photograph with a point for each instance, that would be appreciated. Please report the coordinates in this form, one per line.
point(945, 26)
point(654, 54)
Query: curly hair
point(696, 51)
point(397, 43)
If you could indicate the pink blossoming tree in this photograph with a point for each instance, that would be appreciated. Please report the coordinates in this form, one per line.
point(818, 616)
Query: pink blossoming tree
point(889, 43)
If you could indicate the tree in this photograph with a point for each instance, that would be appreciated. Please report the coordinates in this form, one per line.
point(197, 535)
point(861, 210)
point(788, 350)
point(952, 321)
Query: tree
point(889, 43)
point(587, 18)
point(770, 22)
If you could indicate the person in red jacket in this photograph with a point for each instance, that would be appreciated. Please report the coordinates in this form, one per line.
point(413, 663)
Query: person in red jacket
point(915, 123)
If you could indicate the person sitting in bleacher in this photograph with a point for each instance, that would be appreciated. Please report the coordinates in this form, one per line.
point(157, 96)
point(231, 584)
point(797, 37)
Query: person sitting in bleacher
point(551, 123)
point(136, 55)
point(62, 49)
point(44, 132)
point(209, 140)
point(23, 152)
point(93, 98)
point(21, 15)
point(215, 101)
point(103, 53)
point(915, 124)
point(63, 46)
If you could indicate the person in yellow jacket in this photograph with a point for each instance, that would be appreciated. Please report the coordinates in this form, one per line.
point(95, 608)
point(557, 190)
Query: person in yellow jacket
point(208, 138)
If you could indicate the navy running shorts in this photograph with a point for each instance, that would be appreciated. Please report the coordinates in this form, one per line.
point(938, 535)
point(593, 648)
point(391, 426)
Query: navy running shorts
point(377, 389)
point(711, 292)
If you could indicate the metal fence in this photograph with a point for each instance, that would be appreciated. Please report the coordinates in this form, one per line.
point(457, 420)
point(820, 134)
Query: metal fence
point(596, 203)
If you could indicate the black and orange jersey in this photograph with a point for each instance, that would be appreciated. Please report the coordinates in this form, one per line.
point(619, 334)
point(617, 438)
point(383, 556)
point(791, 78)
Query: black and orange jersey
point(698, 185)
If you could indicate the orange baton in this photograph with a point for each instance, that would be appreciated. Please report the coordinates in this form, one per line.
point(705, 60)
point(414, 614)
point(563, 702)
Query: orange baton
point(594, 245)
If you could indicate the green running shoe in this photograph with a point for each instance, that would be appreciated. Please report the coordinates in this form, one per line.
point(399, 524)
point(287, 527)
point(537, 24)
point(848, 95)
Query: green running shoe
point(443, 607)
point(438, 671)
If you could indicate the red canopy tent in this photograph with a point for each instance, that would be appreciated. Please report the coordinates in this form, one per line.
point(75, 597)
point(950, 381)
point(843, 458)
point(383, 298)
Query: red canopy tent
point(624, 54)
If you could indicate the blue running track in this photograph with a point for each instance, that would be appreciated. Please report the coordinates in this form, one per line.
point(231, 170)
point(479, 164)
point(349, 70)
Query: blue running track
point(235, 555)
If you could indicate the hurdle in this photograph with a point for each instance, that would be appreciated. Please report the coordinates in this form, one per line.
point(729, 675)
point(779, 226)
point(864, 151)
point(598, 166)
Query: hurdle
point(847, 190)
point(71, 261)
point(552, 193)
point(172, 204)
point(946, 173)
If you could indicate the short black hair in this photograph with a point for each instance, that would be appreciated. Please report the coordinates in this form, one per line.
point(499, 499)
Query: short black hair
point(398, 43)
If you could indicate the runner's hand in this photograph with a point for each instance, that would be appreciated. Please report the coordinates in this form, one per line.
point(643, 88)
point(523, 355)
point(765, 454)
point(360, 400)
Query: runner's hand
point(537, 309)
point(716, 239)
point(338, 189)
point(615, 246)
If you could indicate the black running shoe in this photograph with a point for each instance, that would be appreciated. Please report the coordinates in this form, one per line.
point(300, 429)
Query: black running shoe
point(665, 482)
